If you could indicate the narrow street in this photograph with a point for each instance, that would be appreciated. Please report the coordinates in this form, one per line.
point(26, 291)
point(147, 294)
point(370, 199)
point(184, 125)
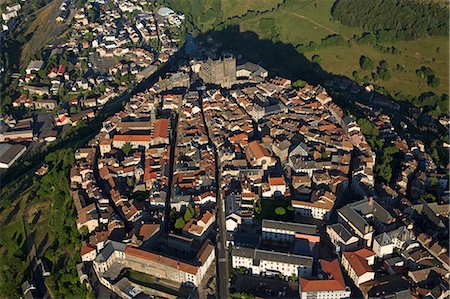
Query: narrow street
point(222, 274)
point(173, 145)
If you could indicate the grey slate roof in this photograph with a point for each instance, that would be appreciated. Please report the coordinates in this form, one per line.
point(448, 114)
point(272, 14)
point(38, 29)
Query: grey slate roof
point(309, 229)
point(110, 247)
point(358, 212)
point(341, 231)
point(273, 256)
point(383, 239)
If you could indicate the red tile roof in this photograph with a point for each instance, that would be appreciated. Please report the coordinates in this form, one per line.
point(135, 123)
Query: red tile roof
point(160, 259)
point(335, 281)
point(257, 149)
point(131, 138)
point(148, 230)
point(161, 128)
point(358, 260)
point(86, 248)
point(277, 181)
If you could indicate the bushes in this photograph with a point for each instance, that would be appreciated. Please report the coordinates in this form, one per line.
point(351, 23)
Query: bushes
point(383, 74)
point(316, 58)
point(299, 84)
point(333, 40)
point(280, 211)
point(365, 63)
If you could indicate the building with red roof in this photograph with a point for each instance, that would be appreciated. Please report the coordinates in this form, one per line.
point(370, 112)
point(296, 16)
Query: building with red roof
point(258, 155)
point(330, 284)
point(358, 263)
point(88, 252)
point(276, 186)
point(136, 139)
point(160, 134)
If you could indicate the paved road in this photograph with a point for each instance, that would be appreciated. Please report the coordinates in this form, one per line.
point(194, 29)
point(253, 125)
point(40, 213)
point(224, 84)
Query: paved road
point(222, 276)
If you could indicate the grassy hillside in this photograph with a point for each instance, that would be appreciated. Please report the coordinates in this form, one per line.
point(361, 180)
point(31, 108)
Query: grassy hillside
point(42, 30)
point(300, 22)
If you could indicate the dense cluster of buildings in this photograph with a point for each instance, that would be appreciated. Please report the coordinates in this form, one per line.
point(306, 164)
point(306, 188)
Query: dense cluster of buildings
point(105, 52)
point(283, 161)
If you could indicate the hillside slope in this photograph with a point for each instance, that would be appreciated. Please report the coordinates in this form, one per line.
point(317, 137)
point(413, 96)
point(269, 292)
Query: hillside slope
point(305, 24)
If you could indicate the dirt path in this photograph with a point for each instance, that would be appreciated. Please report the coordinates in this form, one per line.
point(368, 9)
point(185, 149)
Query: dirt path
point(318, 24)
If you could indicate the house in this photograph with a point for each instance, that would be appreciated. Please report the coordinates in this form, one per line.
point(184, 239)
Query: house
point(46, 104)
point(383, 246)
point(199, 228)
point(341, 238)
point(357, 264)
point(34, 66)
point(157, 264)
point(362, 217)
point(135, 138)
point(258, 155)
point(105, 146)
point(205, 197)
point(276, 187)
point(263, 262)
point(88, 252)
point(287, 231)
point(390, 286)
point(328, 284)
point(10, 153)
point(160, 133)
point(37, 90)
point(319, 208)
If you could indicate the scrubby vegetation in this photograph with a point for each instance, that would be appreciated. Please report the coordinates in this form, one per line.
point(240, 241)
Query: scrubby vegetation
point(394, 19)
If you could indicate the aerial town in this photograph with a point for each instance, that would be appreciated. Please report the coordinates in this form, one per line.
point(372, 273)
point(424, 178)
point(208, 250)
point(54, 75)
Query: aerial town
point(218, 178)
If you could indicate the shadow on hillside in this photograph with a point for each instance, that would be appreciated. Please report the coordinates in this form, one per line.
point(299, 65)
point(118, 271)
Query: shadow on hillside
point(284, 60)
point(279, 58)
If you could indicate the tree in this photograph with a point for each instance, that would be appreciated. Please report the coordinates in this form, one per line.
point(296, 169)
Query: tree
point(84, 232)
point(384, 64)
point(433, 81)
point(280, 211)
point(187, 215)
point(316, 58)
point(383, 74)
point(428, 197)
point(393, 20)
point(127, 147)
point(258, 207)
point(179, 224)
point(365, 63)
point(299, 84)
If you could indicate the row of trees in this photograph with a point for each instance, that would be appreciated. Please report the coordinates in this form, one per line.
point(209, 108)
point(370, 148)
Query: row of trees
point(391, 20)
point(179, 219)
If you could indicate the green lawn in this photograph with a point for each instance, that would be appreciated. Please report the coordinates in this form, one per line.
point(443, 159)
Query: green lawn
point(268, 207)
point(139, 277)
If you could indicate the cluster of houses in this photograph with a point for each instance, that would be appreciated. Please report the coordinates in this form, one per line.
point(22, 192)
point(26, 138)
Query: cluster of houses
point(194, 165)
point(10, 15)
point(245, 144)
point(302, 149)
point(121, 180)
